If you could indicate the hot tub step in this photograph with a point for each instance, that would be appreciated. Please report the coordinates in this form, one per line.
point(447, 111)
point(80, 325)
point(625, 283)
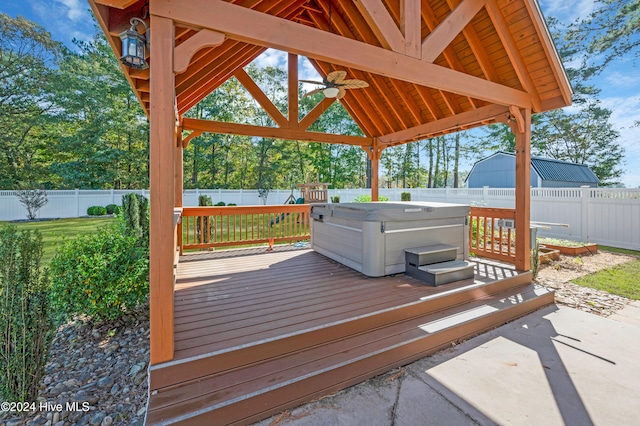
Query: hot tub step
point(426, 255)
point(443, 273)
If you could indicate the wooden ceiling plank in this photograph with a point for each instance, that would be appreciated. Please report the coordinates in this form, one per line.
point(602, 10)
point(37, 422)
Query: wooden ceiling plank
point(377, 16)
point(411, 104)
point(383, 92)
point(448, 29)
point(411, 27)
point(185, 51)
point(550, 50)
point(514, 55)
point(272, 132)
point(361, 108)
point(256, 92)
point(428, 100)
point(195, 94)
point(448, 54)
point(257, 28)
point(449, 123)
point(202, 67)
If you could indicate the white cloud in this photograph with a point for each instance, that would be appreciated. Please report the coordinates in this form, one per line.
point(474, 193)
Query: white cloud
point(567, 11)
point(272, 58)
point(625, 113)
point(623, 80)
point(76, 9)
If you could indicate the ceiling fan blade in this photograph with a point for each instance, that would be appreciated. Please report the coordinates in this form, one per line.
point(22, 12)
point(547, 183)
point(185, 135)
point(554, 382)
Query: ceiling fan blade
point(336, 77)
point(341, 92)
point(313, 92)
point(312, 82)
point(354, 84)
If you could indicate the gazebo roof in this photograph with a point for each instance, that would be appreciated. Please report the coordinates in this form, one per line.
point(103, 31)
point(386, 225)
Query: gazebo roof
point(462, 64)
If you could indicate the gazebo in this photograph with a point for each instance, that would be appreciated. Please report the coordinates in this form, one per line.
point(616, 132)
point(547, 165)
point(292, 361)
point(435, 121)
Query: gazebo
point(433, 67)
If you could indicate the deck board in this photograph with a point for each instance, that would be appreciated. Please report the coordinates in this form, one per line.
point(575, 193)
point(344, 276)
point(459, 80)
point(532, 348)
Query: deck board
point(224, 301)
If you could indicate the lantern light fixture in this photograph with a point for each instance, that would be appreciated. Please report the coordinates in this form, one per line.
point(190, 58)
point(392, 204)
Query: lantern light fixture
point(134, 45)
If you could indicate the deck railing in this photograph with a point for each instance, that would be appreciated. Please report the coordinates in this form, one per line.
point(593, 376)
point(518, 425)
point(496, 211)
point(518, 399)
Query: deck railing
point(208, 227)
point(492, 233)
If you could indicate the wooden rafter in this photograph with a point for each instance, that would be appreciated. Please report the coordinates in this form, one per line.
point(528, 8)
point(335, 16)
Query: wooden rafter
point(514, 54)
point(271, 132)
point(315, 113)
point(377, 17)
point(449, 29)
point(426, 130)
point(118, 4)
point(256, 28)
point(257, 94)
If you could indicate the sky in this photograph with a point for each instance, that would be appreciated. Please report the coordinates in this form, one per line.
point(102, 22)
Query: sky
point(619, 83)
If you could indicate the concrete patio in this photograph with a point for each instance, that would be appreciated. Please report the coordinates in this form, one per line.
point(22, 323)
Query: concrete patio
point(553, 367)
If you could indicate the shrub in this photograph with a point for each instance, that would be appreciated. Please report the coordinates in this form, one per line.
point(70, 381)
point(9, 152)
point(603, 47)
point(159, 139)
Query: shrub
point(231, 204)
point(405, 196)
point(335, 199)
point(96, 211)
point(102, 275)
point(26, 326)
point(365, 198)
point(135, 210)
point(220, 204)
point(33, 200)
point(111, 208)
point(205, 200)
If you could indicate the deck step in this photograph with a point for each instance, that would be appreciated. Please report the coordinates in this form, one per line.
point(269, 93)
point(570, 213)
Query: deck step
point(246, 394)
point(445, 272)
point(419, 256)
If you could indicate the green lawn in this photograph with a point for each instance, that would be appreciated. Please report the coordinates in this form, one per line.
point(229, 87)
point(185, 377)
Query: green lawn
point(621, 280)
point(55, 231)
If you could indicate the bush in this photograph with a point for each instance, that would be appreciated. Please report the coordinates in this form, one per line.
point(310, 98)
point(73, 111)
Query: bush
point(335, 199)
point(220, 204)
point(135, 211)
point(231, 204)
point(405, 196)
point(96, 211)
point(102, 275)
point(112, 208)
point(365, 198)
point(205, 200)
point(26, 326)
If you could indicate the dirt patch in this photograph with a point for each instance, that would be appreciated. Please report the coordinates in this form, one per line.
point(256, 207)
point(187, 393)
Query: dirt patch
point(557, 274)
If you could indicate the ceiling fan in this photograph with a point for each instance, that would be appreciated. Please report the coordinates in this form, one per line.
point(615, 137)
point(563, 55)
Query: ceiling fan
point(335, 86)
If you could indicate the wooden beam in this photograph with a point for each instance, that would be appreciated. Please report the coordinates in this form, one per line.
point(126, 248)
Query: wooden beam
point(523, 191)
point(315, 113)
point(184, 52)
point(411, 27)
point(118, 4)
point(193, 134)
point(272, 132)
point(514, 54)
point(381, 23)
point(264, 30)
point(257, 93)
point(517, 115)
point(292, 93)
point(374, 152)
point(161, 181)
point(426, 130)
point(443, 35)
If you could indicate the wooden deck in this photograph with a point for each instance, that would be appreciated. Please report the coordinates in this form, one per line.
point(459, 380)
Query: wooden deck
point(257, 332)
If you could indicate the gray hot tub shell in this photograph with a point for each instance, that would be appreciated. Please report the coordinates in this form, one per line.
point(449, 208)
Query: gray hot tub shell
point(371, 237)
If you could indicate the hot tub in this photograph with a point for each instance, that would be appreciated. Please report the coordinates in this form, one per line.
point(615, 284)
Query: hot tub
point(371, 237)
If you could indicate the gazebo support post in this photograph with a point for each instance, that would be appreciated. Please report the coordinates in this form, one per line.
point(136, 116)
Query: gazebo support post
point(374, 152)
point(162, 181)
point(522, 130)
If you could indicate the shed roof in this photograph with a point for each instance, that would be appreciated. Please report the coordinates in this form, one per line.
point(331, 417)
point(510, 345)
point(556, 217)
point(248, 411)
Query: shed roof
point(461, 64)
point(551, 169)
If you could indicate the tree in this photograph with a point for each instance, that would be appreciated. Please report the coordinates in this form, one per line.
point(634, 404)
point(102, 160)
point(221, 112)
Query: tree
point(33, 200)
point(584, 137)
point(612, 30)
point(28, 57)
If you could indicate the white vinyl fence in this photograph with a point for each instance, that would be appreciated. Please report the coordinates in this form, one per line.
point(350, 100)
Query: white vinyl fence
point(599, 215)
